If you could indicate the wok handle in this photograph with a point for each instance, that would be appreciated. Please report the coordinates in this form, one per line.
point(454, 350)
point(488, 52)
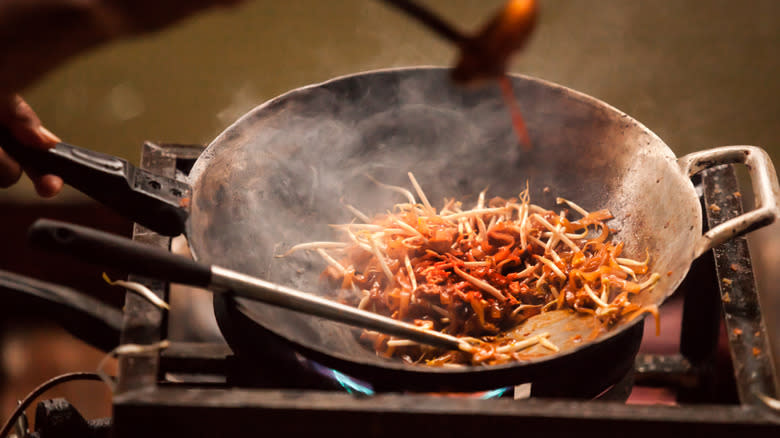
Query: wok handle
point(151, 200)
point(765, 188)
point(117, 252)
point(88, 319)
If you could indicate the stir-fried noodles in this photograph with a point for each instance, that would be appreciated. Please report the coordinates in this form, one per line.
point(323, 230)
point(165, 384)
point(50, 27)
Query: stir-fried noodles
point(477, 273)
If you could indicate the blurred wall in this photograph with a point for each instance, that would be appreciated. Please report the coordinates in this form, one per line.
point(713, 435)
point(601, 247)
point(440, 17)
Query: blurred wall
point(700, 73)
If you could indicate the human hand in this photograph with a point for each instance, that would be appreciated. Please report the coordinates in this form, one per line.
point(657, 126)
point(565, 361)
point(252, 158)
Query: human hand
point(17, 116)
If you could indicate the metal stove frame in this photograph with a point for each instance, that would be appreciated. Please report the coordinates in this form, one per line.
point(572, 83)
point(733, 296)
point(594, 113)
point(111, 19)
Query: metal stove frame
point(148, 404)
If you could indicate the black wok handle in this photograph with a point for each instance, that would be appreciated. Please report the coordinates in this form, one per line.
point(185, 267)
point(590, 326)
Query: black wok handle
point(151, 200)
point(88, 319)
point(117, 252)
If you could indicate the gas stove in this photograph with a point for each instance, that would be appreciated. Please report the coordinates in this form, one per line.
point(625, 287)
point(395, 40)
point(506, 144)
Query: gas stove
point(198, 386)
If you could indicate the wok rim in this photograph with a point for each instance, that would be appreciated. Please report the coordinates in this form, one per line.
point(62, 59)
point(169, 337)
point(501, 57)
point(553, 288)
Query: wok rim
point(211, 150)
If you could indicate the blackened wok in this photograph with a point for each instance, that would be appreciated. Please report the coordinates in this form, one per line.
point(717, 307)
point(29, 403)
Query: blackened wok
point(278, 176)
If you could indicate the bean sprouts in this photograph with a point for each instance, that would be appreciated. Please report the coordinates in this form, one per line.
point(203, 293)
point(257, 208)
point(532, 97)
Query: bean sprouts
point(480, 273)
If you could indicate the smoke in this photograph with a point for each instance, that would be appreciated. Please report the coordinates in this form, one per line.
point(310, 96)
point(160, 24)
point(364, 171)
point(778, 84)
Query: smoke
point(282, 174)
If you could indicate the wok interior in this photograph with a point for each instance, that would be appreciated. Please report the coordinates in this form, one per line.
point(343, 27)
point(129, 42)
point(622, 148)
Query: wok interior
point(281, 174)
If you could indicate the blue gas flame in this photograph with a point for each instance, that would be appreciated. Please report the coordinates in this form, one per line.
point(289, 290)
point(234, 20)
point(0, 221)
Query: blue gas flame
point(350, 384)
point(357, 386)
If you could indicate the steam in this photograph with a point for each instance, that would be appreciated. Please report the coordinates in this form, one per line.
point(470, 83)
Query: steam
point(282, 174)
point(293, 165)
point(243, 99)
point(326, 156)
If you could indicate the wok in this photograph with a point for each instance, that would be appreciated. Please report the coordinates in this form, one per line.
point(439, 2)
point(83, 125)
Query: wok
point(278, 175)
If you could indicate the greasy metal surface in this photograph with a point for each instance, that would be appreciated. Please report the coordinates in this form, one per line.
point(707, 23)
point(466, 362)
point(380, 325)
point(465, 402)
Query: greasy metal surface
point(195, 358)
point(664, 370)
point(277, 177)
point(747, 334)
point(701, 319)
point(217, 412)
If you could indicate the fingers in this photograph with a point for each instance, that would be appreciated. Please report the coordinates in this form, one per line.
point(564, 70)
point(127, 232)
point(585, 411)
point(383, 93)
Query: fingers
point(46, 186)
point(18, 117)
